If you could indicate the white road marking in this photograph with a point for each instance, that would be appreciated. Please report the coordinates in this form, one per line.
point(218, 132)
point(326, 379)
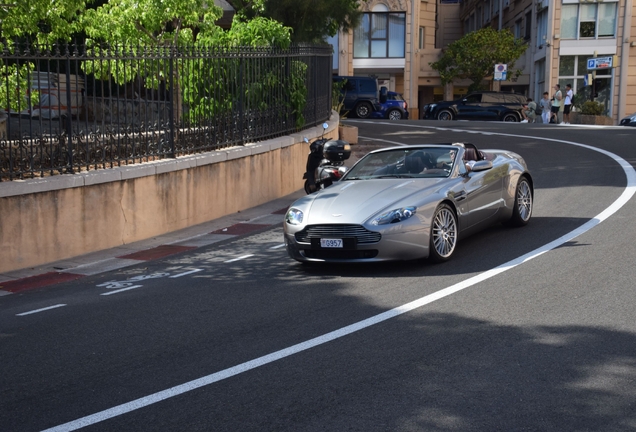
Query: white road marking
point(383, 140)
point(40, 310)
point(118, 410)
point(186, 273)
point(278, 246)
point(121, 290)
point(239, 258)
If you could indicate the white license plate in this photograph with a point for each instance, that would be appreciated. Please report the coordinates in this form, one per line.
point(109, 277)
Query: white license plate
point(331, 243)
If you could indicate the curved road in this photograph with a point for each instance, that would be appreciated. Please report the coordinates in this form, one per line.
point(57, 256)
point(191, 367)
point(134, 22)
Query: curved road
point(547, 345)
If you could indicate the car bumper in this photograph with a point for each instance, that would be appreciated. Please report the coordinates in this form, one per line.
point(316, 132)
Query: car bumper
point(396, 244)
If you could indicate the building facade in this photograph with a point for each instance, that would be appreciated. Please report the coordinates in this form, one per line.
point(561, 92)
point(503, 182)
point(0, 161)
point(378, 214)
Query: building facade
point(398, 39)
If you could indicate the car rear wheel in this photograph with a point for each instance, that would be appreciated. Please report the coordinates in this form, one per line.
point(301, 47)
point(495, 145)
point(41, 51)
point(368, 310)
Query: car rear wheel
point(443, 237)
point(445, 115)
point(394, 114)
point(510, 117)
point(363, 110)
point(522, 210)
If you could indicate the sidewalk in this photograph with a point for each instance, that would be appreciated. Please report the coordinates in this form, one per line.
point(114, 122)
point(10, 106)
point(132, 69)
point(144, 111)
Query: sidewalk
point(240, 223)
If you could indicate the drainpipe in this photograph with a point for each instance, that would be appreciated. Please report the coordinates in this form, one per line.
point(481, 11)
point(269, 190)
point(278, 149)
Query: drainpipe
point(500, 14)
point(548, 47)
point(622, 86)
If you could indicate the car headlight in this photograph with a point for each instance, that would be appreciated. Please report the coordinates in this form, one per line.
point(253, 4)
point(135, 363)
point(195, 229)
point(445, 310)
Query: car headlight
point(294, 216)
point(633, 118)
point(397, 215)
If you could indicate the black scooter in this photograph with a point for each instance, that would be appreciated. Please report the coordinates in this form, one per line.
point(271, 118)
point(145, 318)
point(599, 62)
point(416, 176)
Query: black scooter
point(325, 163)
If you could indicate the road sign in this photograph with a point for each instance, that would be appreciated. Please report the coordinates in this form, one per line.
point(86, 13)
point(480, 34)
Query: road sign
point(500, 72)
point(600, 63)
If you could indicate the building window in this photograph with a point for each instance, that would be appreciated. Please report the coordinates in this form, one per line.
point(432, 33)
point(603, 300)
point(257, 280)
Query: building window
point(573, 69)
point(380, 35)
point(517, 29)
point(487, 11)
point(542, 28)
point(422, 40)
point(589, 20)
point(528, 30)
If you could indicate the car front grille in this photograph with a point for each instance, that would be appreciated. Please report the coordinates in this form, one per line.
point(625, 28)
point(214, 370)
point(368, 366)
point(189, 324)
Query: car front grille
point(358, 232)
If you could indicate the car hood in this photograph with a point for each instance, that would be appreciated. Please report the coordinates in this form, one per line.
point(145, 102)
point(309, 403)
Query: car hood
point(355, 201)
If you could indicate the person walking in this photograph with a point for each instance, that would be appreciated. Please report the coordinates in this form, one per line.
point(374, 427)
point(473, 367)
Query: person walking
point(567, 103)
point(546, 107)
point(557, 101)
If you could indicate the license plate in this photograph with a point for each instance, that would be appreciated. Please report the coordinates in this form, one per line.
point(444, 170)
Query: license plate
point(331, 243)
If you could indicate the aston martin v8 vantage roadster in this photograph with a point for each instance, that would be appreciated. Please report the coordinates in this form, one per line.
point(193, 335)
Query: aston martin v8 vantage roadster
point(410, 202)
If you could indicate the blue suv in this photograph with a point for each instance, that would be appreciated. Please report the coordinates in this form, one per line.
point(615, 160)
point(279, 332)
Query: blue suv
point(360, 95)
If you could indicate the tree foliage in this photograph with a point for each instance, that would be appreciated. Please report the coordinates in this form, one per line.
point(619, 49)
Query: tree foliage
point(310, 20)
point(46, 20)
point(474, 56)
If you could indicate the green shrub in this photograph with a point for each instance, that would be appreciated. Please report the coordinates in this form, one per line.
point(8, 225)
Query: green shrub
point(592, 108)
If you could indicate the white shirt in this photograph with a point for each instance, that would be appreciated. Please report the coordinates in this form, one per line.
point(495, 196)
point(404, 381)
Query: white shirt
point(568, 97)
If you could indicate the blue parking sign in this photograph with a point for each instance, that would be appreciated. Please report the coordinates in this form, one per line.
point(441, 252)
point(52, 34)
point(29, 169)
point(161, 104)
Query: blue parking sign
point(591, 63)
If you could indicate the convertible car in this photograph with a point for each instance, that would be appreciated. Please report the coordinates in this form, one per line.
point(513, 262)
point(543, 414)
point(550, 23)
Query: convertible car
point(410, 202)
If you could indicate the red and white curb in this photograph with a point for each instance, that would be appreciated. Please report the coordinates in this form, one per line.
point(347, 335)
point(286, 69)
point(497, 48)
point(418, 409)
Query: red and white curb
point(155, 253)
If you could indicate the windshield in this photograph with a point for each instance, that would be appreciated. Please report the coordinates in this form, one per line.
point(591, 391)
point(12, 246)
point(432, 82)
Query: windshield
point(405, 163)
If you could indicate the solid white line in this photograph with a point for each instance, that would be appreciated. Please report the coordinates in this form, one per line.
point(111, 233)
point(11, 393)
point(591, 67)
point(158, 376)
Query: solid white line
point(40, 310)
point(383, 140)
point(239, 258)
point(186, 273)
point(278, 246)
point(627, 194)
point(121, 290)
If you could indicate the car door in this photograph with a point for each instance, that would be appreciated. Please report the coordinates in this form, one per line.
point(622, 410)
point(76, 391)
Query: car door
point(469, 107)
point(492, 104)
point(484, 194)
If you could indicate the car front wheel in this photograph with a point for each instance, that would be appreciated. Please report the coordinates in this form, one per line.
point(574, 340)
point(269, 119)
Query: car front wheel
point(363, 110)
point(511, 118)
point(443, 237)
point(394, 114)
point(445, 115)
point(522, 210)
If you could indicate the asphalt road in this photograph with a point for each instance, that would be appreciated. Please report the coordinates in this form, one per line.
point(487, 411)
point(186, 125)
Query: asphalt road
point(204, 344)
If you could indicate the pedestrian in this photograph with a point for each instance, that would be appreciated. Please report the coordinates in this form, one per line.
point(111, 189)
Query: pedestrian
point(557, 100)
point(546, 107)
point(529, 111)
point(567, 103)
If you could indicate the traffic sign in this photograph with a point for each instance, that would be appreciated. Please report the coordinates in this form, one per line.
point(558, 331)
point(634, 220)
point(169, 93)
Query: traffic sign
point(501, 70)
point(600, 63)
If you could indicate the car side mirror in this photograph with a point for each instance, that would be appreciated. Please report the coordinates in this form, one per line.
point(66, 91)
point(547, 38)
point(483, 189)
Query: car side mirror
point(482, 165)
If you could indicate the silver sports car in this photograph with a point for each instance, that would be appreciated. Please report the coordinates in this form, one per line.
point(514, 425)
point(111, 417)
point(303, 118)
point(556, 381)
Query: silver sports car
point(410, 202)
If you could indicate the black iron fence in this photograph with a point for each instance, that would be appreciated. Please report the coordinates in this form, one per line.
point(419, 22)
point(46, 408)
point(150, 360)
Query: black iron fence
point(72, 108)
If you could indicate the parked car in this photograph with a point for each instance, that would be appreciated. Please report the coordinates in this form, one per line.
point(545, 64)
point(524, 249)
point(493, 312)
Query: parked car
point(360, 94)
point(410, 202)
point(394, 108)
point(485, 105)
point(629, 120)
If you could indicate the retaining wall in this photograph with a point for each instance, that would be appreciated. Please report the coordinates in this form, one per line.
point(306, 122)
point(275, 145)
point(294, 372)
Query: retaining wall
point(49, 219)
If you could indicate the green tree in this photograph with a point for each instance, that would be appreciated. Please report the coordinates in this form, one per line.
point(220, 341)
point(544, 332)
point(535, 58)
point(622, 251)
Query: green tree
point(474, 56)
point(310, 20)
point(46, 20)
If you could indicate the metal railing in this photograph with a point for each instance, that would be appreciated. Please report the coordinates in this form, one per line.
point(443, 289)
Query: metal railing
point(78, 108)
